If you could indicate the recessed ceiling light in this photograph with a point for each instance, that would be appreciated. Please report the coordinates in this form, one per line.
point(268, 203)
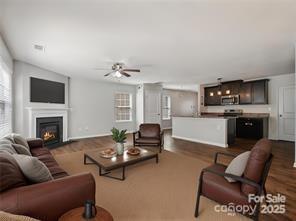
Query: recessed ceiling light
point(39, 47)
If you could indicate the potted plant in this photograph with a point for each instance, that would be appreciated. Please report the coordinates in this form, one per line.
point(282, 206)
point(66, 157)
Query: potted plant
point(119, 137)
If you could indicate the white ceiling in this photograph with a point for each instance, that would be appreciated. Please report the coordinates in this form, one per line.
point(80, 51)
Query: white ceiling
point(176, 42)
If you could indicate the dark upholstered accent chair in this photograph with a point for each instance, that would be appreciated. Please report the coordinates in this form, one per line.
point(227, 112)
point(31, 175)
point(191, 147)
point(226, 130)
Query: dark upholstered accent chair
point(213, 185)
point(149, 135)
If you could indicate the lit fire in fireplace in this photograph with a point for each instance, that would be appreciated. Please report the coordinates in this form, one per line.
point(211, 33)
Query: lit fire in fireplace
point(48, 136)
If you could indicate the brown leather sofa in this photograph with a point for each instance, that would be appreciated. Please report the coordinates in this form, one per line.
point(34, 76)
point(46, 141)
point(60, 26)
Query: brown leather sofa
point(213, 185)
point(45, 201)
point(149, 135)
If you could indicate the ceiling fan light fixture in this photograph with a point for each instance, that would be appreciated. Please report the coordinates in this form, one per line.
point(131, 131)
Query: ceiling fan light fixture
point(117, 74)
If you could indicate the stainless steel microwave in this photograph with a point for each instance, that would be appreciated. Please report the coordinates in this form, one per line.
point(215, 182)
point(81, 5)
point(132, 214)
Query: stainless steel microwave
point(230, 99)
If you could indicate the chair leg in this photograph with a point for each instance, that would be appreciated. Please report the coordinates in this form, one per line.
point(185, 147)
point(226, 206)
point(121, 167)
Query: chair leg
point(257, 210)
point(198, 195)
point(160, 148)
point(197, 204)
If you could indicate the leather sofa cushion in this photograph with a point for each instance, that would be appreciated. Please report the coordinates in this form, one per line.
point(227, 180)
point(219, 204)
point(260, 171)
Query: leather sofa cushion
point(150, 130)
point(255, 165)
point(39, 151)
point(44, 155)
point(145, 140)
point(217, 188)
point(11, 175)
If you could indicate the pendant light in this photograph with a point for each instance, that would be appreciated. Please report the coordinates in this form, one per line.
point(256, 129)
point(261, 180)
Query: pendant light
point(219, 92)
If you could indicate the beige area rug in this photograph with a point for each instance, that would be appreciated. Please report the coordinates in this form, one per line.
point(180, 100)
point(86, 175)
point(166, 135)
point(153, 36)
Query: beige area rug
point(151, 192)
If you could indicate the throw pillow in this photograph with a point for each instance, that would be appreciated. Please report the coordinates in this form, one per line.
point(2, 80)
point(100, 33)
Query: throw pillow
point(18, 139)
point(9, 137)
point(4, 216)
point(237, 165)
point(5, 141)
point(11, 175)
point(7, 148)
point(20, 149)
point(32, 168)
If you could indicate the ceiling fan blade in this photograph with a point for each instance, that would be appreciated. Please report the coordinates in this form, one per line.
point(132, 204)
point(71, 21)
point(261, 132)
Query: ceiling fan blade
point(132, 70)
point(125, 74)
point(108, 74)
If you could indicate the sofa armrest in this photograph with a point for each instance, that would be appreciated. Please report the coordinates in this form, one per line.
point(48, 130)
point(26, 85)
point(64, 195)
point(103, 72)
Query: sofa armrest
point(35, 142)
point(49, 200)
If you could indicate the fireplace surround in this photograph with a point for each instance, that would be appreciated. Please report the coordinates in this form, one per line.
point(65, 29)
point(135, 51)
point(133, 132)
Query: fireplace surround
point(36, 113)
point(50, 130)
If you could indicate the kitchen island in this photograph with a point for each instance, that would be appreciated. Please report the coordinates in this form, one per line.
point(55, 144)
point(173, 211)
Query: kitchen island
point(213, 130)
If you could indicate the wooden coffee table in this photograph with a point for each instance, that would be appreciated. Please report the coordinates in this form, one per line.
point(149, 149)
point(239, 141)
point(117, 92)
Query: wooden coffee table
point(106, 165)
point(76, 215)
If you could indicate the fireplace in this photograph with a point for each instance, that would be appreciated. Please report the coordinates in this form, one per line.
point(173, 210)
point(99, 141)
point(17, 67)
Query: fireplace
point(50, 130)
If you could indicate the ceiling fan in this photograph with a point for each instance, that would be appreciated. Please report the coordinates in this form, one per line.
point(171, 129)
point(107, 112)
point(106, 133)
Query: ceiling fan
point(118, 70)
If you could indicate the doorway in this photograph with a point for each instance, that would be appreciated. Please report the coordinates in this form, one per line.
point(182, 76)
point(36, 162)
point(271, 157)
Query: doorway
point(287, 113)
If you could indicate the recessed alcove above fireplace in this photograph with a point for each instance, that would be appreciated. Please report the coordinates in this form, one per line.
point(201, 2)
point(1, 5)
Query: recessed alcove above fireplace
point(50, 130)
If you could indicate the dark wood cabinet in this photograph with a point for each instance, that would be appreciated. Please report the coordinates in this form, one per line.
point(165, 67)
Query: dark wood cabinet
point(251, 92)
point(231, 87)
point(211, 96)
point(260, 92)
point(245, 94)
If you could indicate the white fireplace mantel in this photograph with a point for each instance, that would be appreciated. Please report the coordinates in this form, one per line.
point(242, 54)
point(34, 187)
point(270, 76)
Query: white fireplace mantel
point(37, 112)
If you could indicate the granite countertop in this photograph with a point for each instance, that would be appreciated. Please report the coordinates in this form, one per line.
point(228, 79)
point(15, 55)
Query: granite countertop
point(244, 115)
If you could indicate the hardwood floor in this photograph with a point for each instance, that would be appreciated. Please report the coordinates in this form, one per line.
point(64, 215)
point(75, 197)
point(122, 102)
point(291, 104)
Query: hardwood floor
point(281, 178)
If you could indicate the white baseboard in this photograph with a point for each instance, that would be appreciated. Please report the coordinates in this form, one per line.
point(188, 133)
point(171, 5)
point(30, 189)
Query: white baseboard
point(201, 141)
point(166, 128)
point(294, 164)
point(93, 136)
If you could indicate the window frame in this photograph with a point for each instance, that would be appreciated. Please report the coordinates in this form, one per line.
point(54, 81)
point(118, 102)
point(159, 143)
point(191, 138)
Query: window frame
point(130, 107)
point(168, 107)
point(6, 103)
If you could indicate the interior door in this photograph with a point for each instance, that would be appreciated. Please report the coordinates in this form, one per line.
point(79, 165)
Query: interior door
point(287, 113)
point(152, 106)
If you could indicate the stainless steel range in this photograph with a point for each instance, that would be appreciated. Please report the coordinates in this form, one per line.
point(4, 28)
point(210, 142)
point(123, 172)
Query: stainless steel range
point(233, 112)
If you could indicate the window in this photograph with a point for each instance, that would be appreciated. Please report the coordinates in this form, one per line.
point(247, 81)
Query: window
point(123, 106)
point(5, 102)
point(166, 110)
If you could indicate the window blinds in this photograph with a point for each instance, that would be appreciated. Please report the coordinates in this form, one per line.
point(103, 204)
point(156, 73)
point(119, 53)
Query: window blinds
point(5, 102)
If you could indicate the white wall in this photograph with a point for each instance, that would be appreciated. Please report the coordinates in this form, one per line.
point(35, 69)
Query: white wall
point(92, 107)
point(21, 79)
point(140, 105)
point(272, 108)
point(183, 104)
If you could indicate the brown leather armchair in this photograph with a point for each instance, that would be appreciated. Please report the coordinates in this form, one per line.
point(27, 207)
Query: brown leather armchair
point(149, 135)
point(213, 185)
